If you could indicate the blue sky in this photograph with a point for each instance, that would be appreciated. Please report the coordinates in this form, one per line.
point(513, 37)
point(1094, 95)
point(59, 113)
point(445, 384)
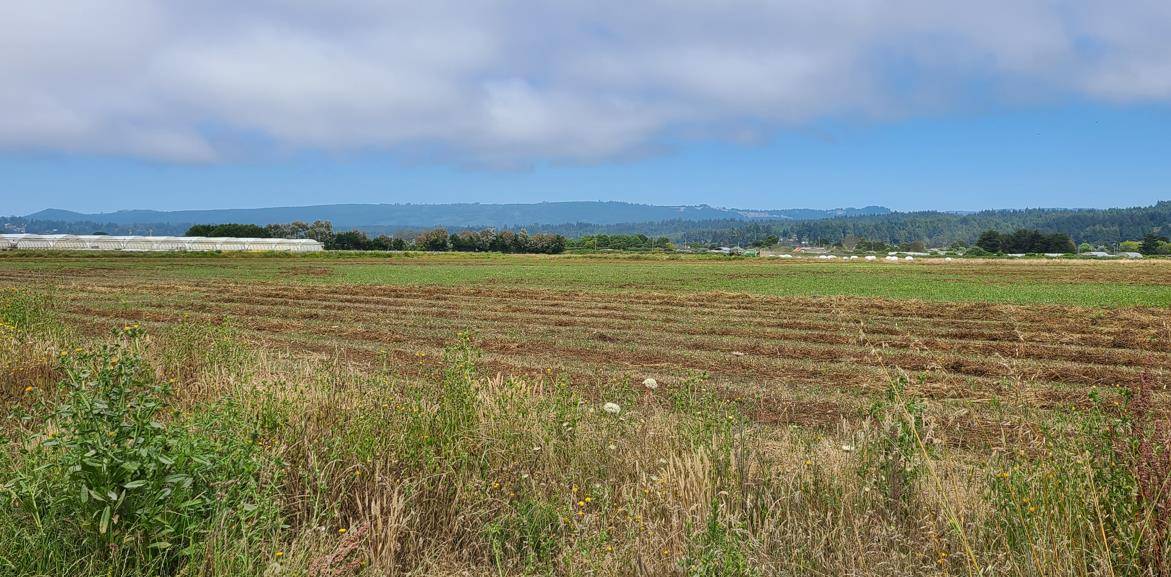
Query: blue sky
point(912, 105)
point(1069, 156)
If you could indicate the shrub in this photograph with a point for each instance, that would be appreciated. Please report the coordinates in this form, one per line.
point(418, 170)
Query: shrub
point(120, 479)
point(897, 458)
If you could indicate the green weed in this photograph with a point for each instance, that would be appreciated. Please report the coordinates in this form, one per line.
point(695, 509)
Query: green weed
point(117, 478)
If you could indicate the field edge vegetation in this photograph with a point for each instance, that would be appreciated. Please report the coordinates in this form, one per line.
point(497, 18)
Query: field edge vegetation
point(190, 451)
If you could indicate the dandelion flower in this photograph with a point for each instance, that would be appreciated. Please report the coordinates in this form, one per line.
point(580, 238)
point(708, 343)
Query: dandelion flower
point(28, 389)
point(280, 553)
point(612, 408)
point(650, 384)
point(341, 531)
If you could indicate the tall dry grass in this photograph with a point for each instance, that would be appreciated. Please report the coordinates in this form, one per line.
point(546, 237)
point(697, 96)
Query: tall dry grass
point(471, 473)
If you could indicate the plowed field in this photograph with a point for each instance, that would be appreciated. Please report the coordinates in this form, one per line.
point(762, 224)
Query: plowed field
point(978, 337)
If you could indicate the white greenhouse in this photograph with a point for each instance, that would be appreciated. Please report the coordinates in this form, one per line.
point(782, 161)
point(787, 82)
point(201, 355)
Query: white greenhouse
point(154, 243)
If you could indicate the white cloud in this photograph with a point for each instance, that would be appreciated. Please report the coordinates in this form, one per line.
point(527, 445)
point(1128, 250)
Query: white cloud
point(508, 82)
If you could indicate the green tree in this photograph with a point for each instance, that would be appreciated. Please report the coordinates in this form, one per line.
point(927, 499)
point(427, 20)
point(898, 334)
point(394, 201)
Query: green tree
point(320, 231)
point(350, 240)
point(990, 241)
point(1150, 243)
point(229, 229)
point(433, 240)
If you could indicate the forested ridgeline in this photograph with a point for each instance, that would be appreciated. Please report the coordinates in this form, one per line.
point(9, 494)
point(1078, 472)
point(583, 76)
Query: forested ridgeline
point(1094, 226)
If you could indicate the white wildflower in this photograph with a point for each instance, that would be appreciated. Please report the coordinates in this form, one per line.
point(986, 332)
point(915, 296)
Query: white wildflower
point(612, 408)
point(651, 384)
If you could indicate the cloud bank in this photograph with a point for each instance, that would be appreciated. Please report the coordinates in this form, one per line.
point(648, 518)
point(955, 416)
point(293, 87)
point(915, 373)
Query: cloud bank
point(505, 83)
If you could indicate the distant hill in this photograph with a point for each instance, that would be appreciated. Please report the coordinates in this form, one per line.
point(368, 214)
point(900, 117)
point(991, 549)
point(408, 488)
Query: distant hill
point(1097, 226)
point(389, 216)
point(698, 224)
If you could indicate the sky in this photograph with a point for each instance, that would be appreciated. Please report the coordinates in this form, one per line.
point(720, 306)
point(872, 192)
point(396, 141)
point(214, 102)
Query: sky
point(916, 104)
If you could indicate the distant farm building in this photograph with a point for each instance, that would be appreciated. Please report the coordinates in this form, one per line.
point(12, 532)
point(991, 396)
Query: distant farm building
point(154, 243)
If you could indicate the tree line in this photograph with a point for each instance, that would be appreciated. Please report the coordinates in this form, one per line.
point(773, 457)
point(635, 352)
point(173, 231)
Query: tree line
point(1025, 241)
point(620, 242)
point(1109, 227)
point(1098, 227)
point(436, 239)
point(1151, 244)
